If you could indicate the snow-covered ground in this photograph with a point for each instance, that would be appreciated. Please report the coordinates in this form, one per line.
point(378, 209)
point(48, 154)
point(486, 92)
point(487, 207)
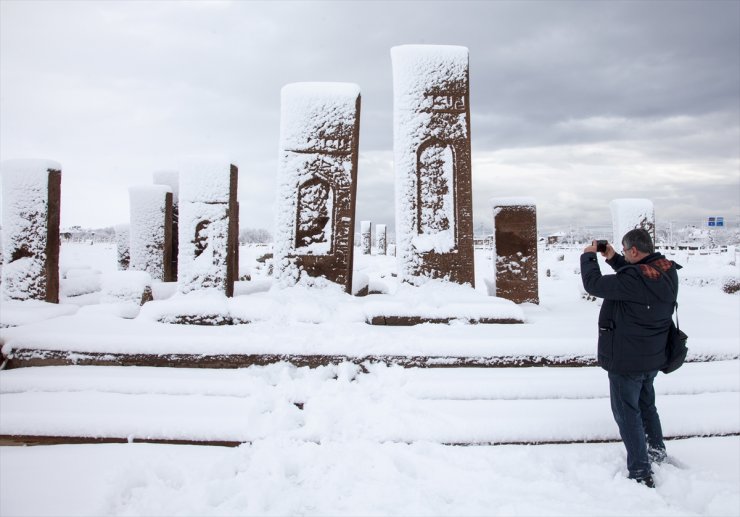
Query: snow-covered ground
point(363, 440)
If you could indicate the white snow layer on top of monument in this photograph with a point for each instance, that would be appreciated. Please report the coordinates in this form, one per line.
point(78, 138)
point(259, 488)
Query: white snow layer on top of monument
point(24, 216)
point(416, 68)
point(146, 233)
point(205, 181)
point(512, 201)
point(171, 179)
point(309, 110)
point(28, 166)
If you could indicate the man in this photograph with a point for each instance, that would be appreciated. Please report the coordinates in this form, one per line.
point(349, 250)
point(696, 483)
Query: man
point(633, 329)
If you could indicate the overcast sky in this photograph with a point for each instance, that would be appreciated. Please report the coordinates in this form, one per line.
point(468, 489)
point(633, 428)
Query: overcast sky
point(573, 103)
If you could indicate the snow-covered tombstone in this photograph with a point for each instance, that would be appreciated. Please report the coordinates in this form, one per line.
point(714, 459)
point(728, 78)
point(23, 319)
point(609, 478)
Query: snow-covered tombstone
point(515, 249)
point(150, 231)
point(207, 227)
point(30, 229)
point(366, 236)
point(381, 239)
point(431, 114)
point(317, 182)
point(628, 214)
point(123, 246)
point(172, 180)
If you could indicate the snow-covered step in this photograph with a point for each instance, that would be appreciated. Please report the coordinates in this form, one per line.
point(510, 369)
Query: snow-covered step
point(299, 384)
point(333, 414)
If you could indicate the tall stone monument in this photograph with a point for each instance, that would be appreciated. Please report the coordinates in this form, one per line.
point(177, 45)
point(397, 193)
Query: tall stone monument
point(515, 249)
point(317, 182)
point(150, 231)
point(123, 246)
point(207, 225)
point(366, 236)
point(431, 112)
point(628, 214)
point(30, 229)
point(172, 180)
point(381, 241)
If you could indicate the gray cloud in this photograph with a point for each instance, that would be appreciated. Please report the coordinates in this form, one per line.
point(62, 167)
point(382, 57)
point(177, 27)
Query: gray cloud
point(574, 103)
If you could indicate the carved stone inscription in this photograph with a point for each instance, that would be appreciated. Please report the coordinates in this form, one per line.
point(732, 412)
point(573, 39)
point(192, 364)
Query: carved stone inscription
point(208, 211)
point(515, 252)
point(434, 230)
point(317, 183)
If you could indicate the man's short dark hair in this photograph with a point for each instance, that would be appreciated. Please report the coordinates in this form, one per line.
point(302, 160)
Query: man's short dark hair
point(640, 239)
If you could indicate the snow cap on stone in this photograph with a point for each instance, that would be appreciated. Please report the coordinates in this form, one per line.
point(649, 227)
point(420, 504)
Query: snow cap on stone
point(628, 214)
point(171, 179)
point(312, 109)
point(512, 201)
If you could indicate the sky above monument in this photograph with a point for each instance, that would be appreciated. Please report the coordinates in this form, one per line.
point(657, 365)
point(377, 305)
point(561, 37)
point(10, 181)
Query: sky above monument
point(572, 103)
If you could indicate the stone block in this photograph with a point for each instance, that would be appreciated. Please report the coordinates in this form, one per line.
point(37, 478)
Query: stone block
point(515, 249)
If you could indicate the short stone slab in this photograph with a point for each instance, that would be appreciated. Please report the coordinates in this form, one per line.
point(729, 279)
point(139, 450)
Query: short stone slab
point(28, 357)
point(407, 321)
point(439, 302)
point(7, 440)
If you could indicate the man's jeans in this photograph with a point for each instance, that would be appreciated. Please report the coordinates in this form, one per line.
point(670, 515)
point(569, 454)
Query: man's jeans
point(633, 405)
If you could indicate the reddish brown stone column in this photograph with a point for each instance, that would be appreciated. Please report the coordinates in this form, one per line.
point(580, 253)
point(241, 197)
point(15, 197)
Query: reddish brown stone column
point(515, 249)
point(208, 212)
point(172, 180)
point(431, 112)
point(317, 183)
point(30, 226)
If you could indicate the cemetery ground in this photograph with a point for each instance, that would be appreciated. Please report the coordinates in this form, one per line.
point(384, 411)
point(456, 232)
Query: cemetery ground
point(354, 435)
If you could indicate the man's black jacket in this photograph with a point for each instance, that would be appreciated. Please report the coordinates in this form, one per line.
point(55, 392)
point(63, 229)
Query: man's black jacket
point(636, 313)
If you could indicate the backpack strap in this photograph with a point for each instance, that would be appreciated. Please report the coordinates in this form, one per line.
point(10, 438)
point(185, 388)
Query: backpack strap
point(673, 288)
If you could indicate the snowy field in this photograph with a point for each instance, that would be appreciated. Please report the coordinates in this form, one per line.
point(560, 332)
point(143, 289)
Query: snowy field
point(362, 440)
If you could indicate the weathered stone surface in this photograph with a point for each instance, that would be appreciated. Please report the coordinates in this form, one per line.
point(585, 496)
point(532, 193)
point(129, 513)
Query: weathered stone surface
point(317, 177)
point(434, 221)
point(30, 230)
point(515, 249)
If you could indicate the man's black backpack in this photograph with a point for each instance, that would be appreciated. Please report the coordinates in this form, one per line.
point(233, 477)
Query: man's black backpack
point(675, 348)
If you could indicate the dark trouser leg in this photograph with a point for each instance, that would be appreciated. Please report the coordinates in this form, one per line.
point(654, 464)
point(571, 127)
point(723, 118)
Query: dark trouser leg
point(651, 420)
point(625, 400)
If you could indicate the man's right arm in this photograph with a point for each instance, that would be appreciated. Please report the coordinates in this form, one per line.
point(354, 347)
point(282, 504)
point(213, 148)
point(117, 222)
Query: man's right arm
point(617, 261)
